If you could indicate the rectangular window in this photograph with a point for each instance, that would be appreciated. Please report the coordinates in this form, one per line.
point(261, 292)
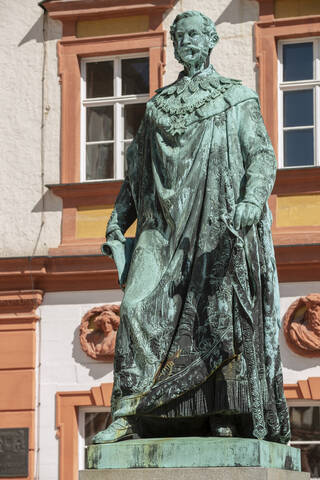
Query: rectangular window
point(91, 420)
point(305, 434)
point(114, 95)
point(299, 101)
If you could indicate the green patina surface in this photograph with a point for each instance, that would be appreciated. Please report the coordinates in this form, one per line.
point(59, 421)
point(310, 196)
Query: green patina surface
point(194, 452)
point(200, 317)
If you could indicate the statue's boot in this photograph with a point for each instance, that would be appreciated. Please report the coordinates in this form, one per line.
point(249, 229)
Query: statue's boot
point(223, 426)
point(120, 429)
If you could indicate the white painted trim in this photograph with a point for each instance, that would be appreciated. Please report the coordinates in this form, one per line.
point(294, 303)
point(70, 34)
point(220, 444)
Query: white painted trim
point(303, 85)
point(100, 142)
point(280, 108)
point(97, 102)
point(83, 124)
point(285, 129)
point(317, 103)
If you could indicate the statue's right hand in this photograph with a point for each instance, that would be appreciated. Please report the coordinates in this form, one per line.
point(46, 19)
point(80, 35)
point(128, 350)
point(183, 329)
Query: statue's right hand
point(116, 235)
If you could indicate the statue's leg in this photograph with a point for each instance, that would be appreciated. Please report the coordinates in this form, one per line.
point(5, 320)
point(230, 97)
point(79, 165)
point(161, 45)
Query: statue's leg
point(119, 429)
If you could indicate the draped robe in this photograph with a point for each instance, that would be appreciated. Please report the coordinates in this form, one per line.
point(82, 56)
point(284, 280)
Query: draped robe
point(200, 296)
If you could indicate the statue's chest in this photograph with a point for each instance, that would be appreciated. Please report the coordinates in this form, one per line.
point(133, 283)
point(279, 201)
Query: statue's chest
point(173, 113)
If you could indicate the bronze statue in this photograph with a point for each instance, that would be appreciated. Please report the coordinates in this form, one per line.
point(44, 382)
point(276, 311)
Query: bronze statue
point(197, 348)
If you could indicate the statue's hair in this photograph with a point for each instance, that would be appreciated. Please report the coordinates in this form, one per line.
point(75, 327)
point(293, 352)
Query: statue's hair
point(209, 26)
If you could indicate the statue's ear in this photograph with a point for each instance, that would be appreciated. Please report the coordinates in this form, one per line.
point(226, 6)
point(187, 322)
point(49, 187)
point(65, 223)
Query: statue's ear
point(213, 40)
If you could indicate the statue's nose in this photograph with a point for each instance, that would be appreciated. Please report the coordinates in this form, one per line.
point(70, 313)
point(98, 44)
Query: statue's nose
point(185, 40)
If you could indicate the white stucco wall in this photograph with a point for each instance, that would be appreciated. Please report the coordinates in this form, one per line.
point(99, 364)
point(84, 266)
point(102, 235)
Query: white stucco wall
point(29, 217)
point(234, 55)
point(63, 364)
point(295, 367)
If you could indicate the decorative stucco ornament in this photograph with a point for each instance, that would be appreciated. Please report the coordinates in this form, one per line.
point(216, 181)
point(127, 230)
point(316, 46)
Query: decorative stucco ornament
point(197, 347)
point(98, 331)
point(301, 326)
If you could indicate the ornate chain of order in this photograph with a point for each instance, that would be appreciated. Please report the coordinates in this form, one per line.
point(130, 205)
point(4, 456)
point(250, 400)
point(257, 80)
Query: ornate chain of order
point(178, 101)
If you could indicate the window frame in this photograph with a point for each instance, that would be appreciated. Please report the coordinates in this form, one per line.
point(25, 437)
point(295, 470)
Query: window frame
point(304, 403)
point(313, 84)
point(118, 101)
point(81, 431)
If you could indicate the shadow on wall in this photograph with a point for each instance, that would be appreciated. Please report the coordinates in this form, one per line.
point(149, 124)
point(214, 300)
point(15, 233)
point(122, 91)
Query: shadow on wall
point(48, 203)
point(36, 31)
point(239, 11)
point(291, 360)
point(97, 369)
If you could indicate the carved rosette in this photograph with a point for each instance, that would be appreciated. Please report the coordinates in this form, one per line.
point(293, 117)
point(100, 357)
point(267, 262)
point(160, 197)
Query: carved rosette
point(98, 331)
point(301, 326)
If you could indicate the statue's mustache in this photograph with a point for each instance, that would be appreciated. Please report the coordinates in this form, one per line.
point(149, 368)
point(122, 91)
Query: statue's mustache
point(190, 48)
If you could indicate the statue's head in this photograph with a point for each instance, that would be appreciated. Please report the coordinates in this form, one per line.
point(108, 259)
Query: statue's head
point(194, 35)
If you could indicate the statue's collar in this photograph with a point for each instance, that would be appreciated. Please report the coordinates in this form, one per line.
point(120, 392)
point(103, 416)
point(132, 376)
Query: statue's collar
point(207, 80)
point(188, 99)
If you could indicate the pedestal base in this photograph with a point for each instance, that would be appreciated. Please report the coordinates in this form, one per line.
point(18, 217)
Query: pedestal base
point(219, 473)
point(192, 452)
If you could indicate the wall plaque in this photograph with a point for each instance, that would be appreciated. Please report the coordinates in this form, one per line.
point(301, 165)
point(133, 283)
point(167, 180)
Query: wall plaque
point(14, 451)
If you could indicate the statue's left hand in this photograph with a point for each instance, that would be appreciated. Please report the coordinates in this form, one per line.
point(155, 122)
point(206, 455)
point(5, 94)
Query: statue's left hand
point(246, 214)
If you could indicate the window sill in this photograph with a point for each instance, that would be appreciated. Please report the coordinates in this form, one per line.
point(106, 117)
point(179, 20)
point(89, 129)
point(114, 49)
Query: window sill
point(87, 193)
point(85, 209)
point(291, 180)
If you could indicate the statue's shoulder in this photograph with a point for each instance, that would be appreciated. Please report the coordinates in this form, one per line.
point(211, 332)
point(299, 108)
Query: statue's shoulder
point(240, 93)
point(166, 90)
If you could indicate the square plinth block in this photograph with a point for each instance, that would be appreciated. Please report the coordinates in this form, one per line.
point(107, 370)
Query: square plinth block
point(218, 473)
point(184, 452)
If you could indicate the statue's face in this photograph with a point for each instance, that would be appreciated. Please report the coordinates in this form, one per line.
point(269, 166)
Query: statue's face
point(191, 44)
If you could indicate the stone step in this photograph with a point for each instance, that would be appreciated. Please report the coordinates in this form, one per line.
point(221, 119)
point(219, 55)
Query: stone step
point(183, 452)
point(218, 473)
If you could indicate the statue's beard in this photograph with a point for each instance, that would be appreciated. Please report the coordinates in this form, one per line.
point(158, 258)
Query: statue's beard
point(202, 58)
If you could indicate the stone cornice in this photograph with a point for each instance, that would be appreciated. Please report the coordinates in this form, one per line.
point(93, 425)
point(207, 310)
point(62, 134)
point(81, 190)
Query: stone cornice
point(295, 263)
point(91, 9)
point(18, 308)
point(54, 274)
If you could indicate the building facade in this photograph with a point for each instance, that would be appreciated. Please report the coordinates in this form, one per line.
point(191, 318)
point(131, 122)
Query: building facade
point(76, 77)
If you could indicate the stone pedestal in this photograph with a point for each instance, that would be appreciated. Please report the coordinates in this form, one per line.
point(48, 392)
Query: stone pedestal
point(218, 473)
point(193, 452)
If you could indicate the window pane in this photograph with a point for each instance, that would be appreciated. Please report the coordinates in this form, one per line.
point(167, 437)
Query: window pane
point(99, 162)
point(132, 118)
point(135, 76)
point(305, 423)
point(297, 61)
point(310, 459)
point(298, 148)
point(99, 79)
point(94, 423)
point(298, 108)
point(99, 123)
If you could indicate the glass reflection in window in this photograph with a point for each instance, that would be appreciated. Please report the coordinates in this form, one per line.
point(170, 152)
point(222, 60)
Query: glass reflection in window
point(297, 61)
point(135, 76)
point(99, 79)
point(298, 108)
